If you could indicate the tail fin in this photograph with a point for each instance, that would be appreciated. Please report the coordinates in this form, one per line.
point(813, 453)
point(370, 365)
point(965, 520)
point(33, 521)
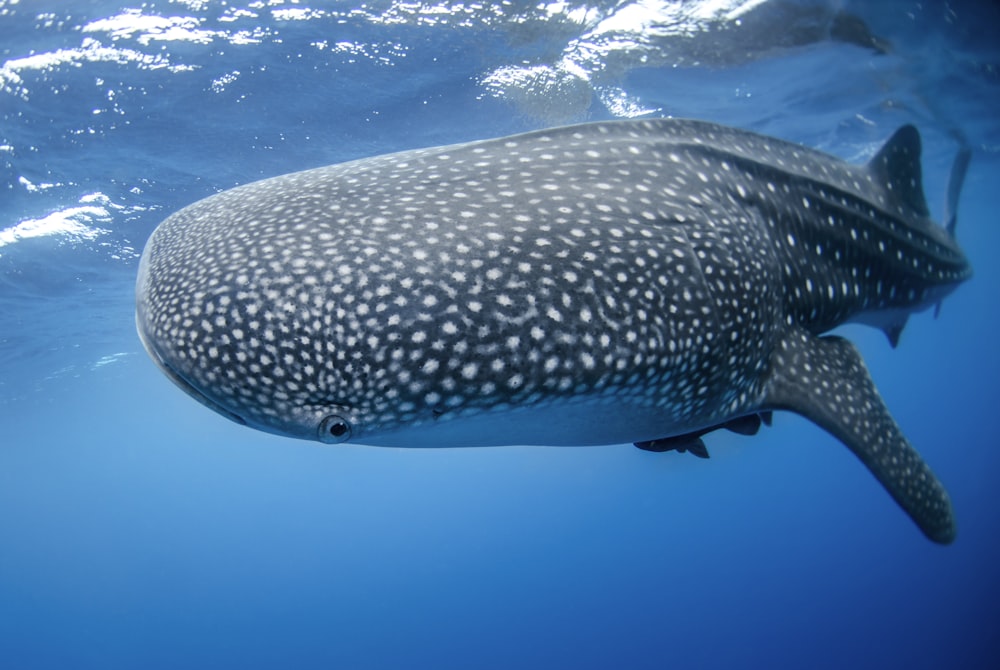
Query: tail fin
point(955, 181)
point(958, 169)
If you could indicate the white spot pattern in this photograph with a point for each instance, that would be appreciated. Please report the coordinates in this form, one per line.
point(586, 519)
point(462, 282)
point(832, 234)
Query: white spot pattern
point(645, 262)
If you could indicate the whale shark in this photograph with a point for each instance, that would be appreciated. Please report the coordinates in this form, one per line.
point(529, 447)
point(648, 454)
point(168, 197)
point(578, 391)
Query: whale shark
point(643, 282)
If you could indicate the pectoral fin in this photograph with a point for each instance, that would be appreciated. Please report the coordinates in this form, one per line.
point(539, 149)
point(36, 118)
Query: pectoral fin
point(825, 380)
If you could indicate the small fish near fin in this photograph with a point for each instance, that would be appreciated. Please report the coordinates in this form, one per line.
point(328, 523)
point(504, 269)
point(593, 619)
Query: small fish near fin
point(692, 442)
point(897, 167)
point(825, 380)
point(746, 425)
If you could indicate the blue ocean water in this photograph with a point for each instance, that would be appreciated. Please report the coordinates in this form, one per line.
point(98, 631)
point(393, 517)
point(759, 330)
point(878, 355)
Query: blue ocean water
point(140, 530)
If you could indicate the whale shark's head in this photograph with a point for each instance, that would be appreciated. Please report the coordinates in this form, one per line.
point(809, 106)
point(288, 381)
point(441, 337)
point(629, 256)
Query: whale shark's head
point(404, 299)
point(265, 306)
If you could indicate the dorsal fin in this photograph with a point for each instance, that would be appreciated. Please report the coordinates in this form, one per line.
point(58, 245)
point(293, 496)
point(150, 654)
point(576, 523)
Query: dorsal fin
point(897, 167)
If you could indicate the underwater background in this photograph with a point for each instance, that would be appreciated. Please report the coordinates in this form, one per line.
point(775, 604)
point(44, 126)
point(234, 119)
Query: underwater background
point(140, 530)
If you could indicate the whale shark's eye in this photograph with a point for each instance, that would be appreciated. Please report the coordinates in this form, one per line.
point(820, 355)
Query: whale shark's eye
point(334, 429)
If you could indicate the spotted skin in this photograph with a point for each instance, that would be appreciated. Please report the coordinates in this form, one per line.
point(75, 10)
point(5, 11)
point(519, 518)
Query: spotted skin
point(596, 284)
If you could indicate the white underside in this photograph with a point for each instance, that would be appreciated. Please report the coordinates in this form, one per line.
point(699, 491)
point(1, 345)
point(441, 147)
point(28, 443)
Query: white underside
point(584, 422)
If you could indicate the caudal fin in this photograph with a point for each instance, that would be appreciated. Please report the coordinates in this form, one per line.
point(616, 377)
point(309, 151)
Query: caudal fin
point(958, 169)
point(955, 181)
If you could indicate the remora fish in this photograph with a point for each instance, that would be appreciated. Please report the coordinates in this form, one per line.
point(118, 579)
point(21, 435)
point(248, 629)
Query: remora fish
point(633, 281)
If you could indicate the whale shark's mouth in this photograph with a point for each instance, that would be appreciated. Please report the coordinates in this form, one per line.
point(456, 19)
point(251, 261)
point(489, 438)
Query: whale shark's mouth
point(183, 383)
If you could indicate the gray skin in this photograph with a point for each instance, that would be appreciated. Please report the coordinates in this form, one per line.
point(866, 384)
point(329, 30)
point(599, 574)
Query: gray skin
point(613, 282)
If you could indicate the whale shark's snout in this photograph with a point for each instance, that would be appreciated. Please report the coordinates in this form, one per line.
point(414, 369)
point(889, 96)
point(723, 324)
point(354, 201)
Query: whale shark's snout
point(640, 281)
point(197, 366)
